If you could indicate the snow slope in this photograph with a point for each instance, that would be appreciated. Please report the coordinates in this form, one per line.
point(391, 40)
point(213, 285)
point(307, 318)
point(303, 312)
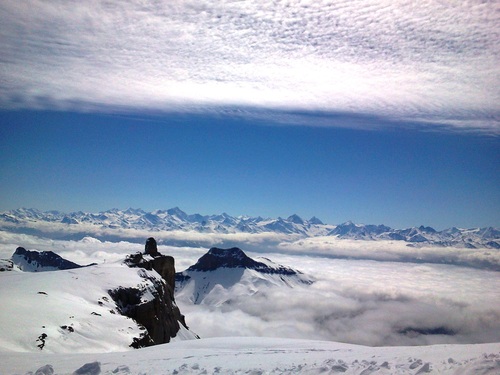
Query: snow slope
point(70, 310)
point(221, 274)
point(265, 356)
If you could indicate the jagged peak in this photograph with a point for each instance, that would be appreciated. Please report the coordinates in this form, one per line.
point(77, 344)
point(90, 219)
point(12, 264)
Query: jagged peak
point(176, 211)
point(315, 220)
point(295, 219)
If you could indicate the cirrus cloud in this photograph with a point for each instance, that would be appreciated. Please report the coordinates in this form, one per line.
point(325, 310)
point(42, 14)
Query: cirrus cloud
point(429, 63)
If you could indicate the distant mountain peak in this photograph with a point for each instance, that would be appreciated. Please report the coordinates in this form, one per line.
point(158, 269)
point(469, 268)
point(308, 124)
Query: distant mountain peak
point(28, 220)
point(348, 223)
point(176, 211)
point(296, 219)
point(314, 220)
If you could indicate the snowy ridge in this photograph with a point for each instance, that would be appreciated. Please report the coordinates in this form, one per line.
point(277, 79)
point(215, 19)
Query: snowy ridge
point(222, 273)
point(96, 224)
point(68, 311)
point(35, 261)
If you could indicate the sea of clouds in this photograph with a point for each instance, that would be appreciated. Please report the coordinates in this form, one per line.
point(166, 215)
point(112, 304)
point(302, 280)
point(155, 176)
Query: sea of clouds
point(373, 297)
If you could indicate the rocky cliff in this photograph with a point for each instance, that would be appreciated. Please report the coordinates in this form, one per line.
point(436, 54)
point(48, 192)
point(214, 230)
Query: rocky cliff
point(160, 316)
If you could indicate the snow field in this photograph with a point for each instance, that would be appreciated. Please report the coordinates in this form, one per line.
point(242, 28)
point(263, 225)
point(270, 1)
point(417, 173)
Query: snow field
point(257, 355)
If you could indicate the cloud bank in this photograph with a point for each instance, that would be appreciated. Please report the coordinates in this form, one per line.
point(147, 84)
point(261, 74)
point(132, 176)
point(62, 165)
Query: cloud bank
point(362, 302)
point(430, 63)
point(353, 300)
point(41, 232)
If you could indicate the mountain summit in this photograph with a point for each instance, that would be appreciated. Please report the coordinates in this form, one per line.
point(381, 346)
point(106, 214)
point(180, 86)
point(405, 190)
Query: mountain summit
point(37, 261)
point(213, 277)
point(235, 258)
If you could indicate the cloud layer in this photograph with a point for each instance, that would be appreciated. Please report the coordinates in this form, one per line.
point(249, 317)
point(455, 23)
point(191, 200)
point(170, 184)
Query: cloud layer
point(321, 246)
point(362, 302)
point(371, 302)
point(431, 62)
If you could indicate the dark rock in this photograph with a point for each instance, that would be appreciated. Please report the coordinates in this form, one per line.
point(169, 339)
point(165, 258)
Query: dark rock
point(45, 370)
point(424, 369)
point(27, 260)
point(6, 265)
point(93, 368)
point(163, 264)
point(151, 247)
point(36, 261)
point(68, 328)
point(235, 258)
point(160, 316)
point(41, 338)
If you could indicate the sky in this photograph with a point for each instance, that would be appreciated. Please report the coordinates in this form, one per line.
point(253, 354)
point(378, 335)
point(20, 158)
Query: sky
point(375, 112)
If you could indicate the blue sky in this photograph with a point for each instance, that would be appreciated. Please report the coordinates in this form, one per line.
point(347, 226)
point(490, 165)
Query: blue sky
point(211, 164)
point(371, 111)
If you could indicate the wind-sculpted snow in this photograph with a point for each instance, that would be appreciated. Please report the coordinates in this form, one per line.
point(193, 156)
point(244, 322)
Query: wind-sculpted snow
point(229, 355)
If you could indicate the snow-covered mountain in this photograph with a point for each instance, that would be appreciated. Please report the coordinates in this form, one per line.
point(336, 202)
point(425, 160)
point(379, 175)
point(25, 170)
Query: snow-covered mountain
point(40, 261)
point(222, 273)
point(79, 224)
point(70, 308)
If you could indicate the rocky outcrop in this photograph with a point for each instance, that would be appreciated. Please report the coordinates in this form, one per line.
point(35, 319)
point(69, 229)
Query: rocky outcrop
point(159, 315)
point(152, 259)
point(37, 261)
point(151, 247)
point(235, 258)
point(6, 265)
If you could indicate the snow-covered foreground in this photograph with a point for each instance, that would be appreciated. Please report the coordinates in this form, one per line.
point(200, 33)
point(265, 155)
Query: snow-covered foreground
point(266, 356)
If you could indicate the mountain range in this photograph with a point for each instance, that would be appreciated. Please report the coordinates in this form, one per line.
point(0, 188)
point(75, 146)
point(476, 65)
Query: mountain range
point(25, 220)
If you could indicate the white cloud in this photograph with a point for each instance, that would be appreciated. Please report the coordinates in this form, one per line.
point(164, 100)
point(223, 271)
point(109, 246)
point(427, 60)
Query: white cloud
point(372, 302)
point(429, 62)
point(363, 302)
point(392, 251)
point(323, 246)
